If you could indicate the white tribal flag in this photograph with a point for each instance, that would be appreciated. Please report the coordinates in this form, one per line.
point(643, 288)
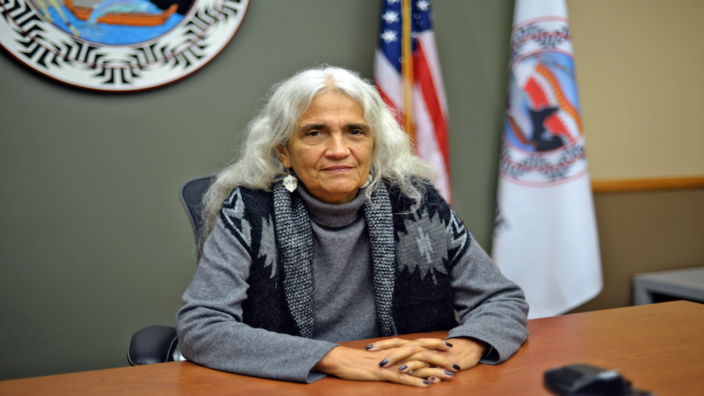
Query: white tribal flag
point(545, 237)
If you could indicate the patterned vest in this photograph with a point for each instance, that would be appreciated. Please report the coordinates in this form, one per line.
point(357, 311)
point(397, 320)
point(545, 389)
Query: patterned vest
point(412, 257)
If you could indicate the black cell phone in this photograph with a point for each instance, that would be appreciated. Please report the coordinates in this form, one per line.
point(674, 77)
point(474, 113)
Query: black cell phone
point(585, 380)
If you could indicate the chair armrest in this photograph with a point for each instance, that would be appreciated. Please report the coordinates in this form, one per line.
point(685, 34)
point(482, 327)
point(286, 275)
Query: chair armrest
point(153, 344)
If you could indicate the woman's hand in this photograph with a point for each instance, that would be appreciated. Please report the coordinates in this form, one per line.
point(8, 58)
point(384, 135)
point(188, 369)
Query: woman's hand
point(389, 363)
point(466, 352)
point(462, 352)
point(423, 358)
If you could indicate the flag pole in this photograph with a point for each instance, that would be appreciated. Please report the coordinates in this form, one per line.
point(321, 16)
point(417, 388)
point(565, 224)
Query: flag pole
point(407, 69)
point(408, 76)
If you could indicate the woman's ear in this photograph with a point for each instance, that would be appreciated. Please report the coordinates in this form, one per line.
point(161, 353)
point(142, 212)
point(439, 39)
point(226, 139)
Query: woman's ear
point(282, 153)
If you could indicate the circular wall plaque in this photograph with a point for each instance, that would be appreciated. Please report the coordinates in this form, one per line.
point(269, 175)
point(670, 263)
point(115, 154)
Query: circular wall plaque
point(118, 45)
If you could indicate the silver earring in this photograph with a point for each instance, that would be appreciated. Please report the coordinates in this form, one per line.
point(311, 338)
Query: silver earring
point(290, 182)
point(368, 182)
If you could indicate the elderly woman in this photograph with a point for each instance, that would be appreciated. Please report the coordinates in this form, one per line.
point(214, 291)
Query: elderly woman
point(326, 230)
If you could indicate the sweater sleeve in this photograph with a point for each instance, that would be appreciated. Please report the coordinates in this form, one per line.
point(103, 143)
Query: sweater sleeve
point(491, 308)
point(210, 328)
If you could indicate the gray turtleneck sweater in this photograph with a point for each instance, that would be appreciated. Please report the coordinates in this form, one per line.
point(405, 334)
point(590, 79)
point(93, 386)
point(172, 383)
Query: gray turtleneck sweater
point(209, 324)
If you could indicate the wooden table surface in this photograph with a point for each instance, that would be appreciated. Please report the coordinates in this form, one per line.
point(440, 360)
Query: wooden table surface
point(660, 347)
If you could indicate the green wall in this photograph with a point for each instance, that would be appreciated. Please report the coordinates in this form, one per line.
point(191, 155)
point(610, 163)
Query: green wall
point(94, 244)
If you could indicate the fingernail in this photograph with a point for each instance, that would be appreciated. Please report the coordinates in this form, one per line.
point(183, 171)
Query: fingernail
point(433, 379)
point(370, 346)
point(450, 373)
point(426, 382)
point(448, 344)
point(456, 367)
point(405, 366)
point(383, 362)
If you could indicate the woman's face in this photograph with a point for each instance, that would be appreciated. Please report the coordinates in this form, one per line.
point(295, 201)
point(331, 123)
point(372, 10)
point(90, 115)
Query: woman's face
point(331, 149)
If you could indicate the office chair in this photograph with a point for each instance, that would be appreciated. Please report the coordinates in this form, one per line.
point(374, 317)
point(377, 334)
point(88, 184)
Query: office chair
point(157, 344)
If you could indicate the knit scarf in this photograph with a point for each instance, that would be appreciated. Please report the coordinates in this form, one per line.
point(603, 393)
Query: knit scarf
point(295, 239)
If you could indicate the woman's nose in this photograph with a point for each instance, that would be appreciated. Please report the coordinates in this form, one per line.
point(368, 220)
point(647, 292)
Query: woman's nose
point(337, 147)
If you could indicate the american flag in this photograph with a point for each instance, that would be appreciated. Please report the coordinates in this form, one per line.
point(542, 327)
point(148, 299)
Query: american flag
point(407, 74)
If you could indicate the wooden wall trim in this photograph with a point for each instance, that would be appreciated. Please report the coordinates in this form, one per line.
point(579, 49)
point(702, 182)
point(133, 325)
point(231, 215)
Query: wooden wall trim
point(629, 185)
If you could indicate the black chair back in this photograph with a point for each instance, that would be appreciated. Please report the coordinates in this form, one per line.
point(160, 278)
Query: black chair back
point(191, 195)
point(156, 344)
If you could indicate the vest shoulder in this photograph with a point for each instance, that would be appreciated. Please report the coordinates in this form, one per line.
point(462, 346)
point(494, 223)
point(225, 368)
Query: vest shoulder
point(252, 199)
point(244, 212)
point(251, 193)
point(431, 197)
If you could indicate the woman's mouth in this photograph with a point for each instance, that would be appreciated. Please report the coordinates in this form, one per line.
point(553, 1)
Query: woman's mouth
point(337, 169)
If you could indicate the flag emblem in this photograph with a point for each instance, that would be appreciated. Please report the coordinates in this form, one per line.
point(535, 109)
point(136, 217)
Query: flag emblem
point(543, 142)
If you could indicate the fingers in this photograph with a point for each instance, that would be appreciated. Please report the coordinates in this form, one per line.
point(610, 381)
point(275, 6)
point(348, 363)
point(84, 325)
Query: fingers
point(428, 343)
point(412, 352)
point(401, 378)
point(412, 366)
point(466, 352)
point(386, 344)
point(393, 374)
point(354, 364)
point(433, 374)
point(419, 362)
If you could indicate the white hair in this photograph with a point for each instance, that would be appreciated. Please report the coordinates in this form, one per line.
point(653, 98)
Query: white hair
point(393, 160)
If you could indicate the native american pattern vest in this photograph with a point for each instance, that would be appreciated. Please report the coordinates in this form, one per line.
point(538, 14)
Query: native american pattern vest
point(412, 257)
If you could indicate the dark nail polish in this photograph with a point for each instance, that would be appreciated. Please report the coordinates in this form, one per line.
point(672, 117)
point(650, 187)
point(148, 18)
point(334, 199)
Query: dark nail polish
point(433, 379)
point(383, 362)
point(370, 346)
point(456, 367)
point(450, 373)
point(426, 382)
point(448, 344)
point(405, 366)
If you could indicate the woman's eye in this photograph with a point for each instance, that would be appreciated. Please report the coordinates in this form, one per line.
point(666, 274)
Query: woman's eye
point(313, 133)
point(357, 132)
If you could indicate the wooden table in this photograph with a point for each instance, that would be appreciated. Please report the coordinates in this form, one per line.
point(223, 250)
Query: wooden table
point(660, 347)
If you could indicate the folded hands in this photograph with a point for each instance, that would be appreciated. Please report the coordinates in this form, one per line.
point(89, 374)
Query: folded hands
point(419, 362)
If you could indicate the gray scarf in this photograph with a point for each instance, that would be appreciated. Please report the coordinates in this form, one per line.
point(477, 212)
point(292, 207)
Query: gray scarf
point(295, 238)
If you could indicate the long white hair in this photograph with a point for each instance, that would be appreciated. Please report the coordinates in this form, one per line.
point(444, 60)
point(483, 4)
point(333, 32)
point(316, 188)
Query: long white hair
point(259, 166)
